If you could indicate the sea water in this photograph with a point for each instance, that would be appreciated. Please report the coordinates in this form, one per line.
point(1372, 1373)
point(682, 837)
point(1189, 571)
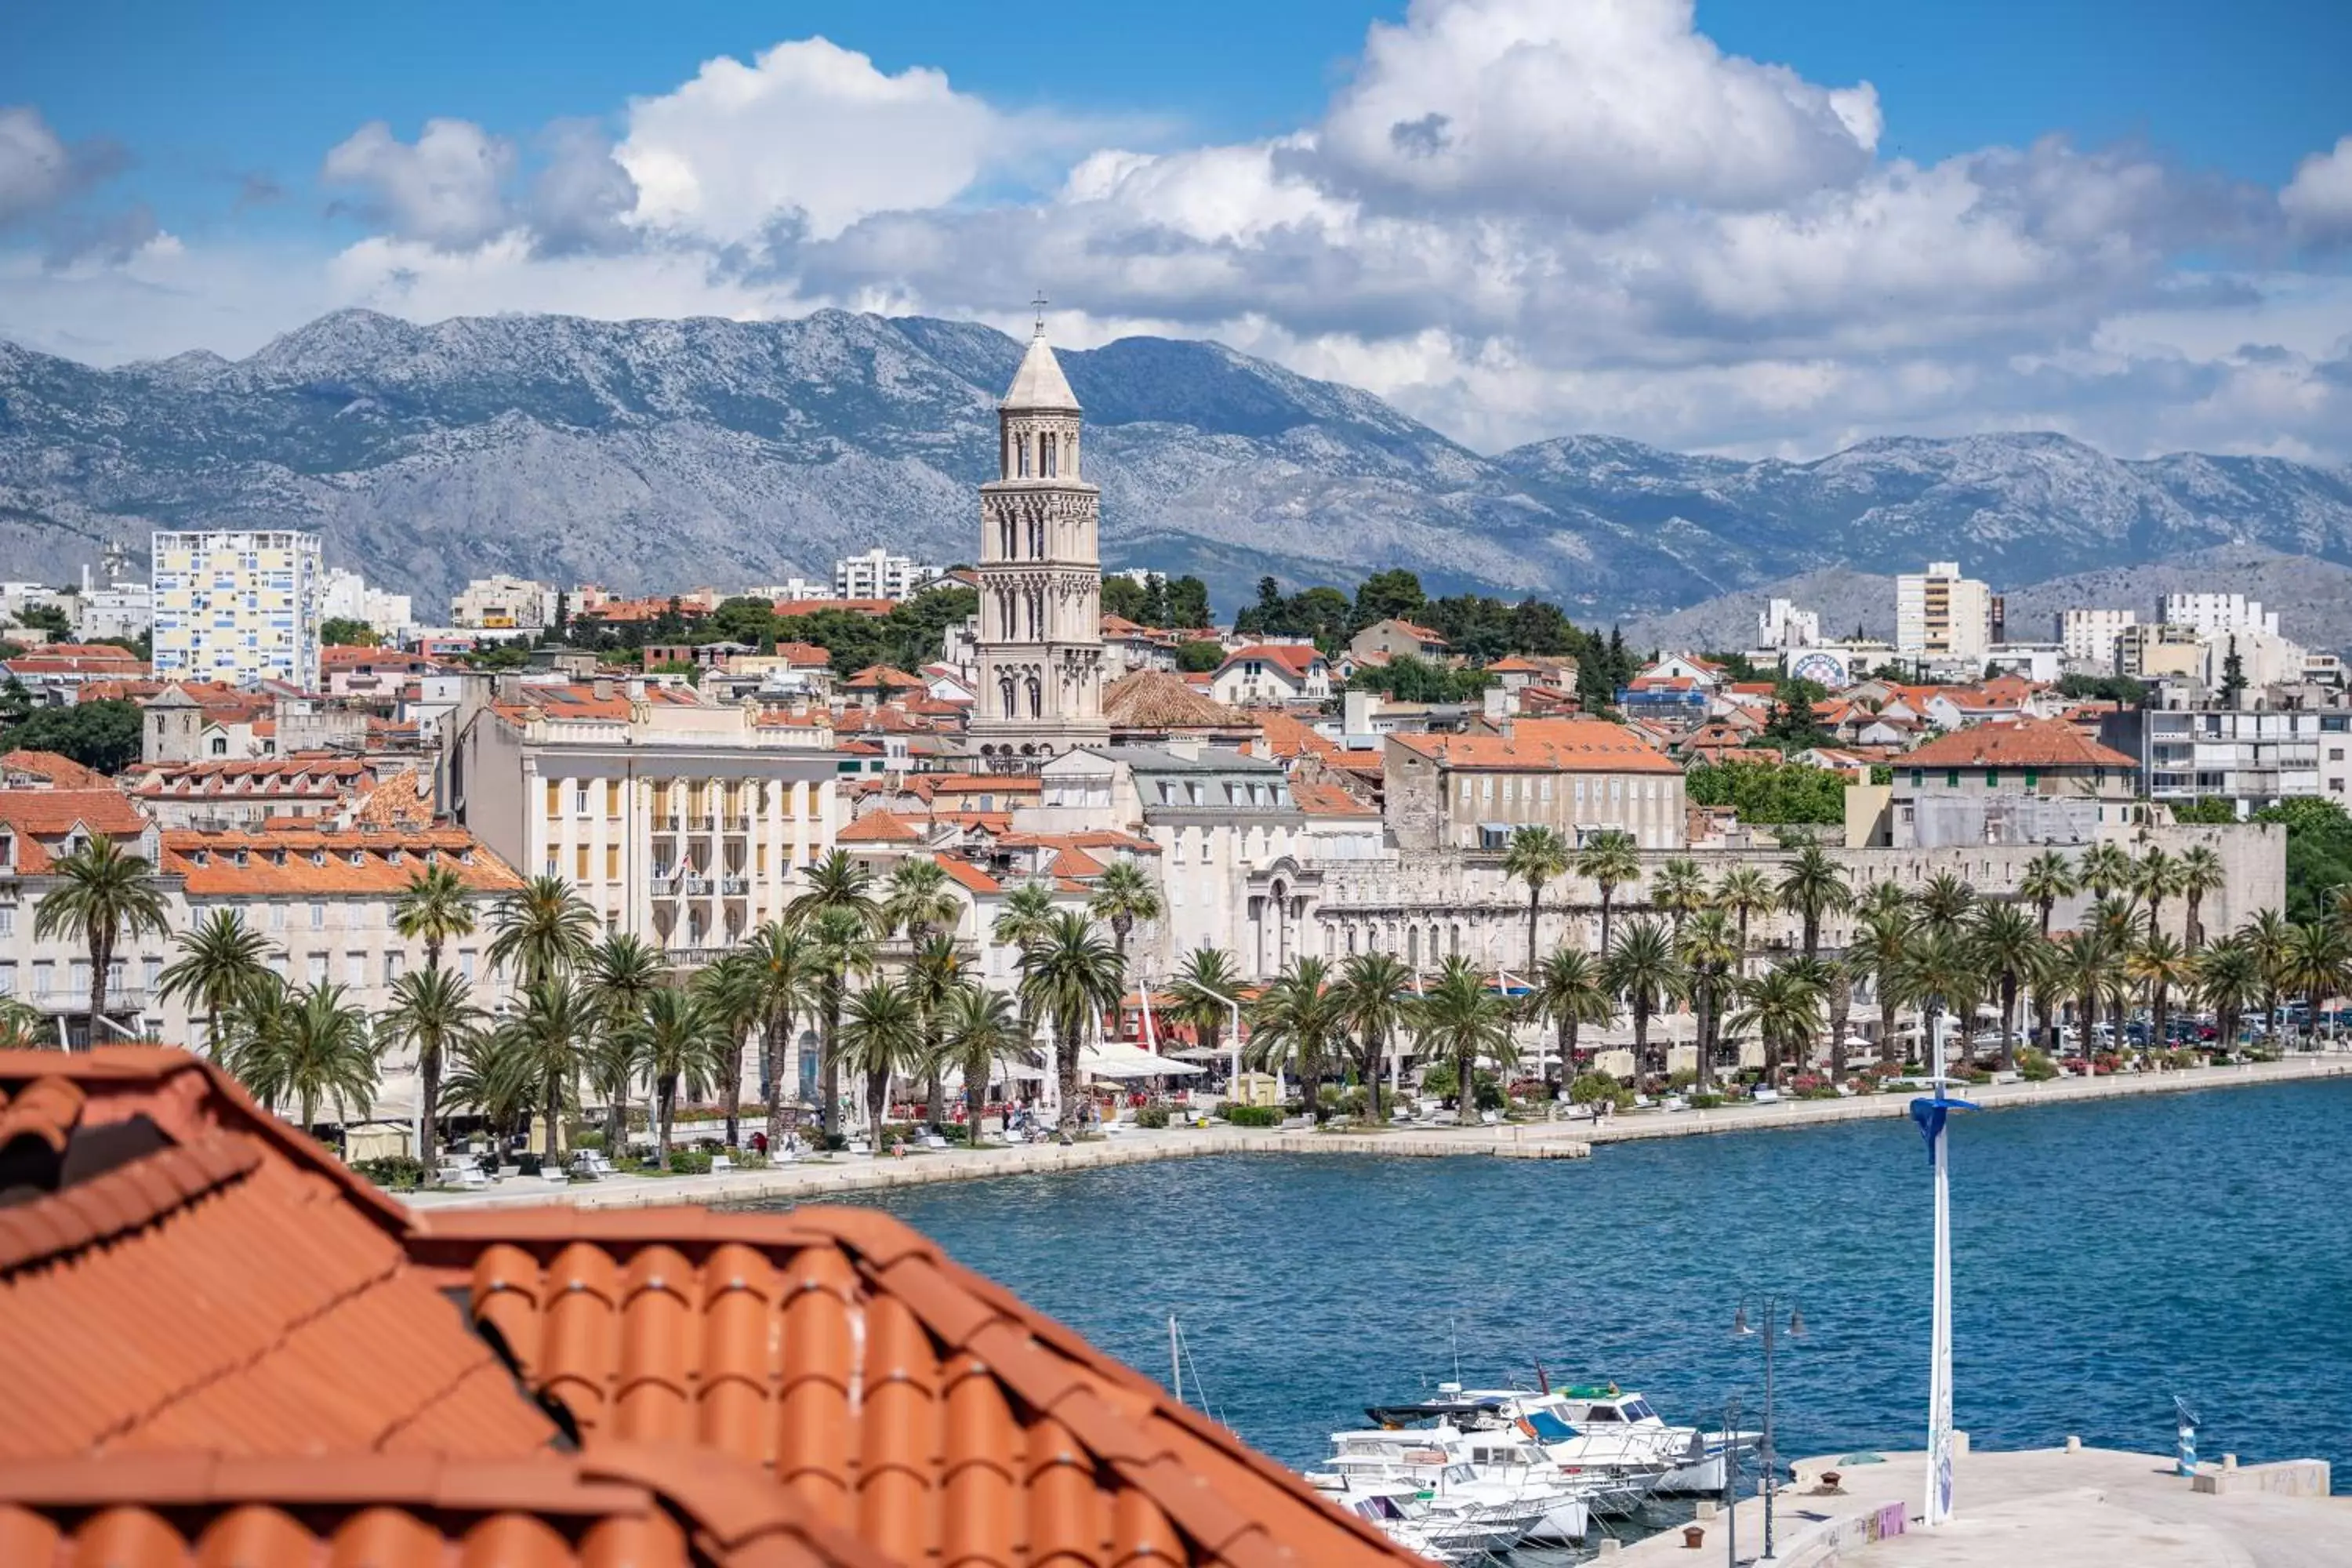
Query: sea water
point(2106, 1258)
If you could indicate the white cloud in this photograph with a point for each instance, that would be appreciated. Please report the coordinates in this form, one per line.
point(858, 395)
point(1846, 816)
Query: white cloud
point(447, 188)
point(2319, 198)
point(36, 169)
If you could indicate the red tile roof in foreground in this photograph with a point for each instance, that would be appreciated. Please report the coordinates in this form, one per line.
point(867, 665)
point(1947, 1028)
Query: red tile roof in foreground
point(225, 1348)
point(2029, 742)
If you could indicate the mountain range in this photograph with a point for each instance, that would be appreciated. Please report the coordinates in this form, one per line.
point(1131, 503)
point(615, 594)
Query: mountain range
point(654, 454)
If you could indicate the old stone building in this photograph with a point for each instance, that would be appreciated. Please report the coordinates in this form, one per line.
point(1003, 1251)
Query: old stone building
point(1578, 775)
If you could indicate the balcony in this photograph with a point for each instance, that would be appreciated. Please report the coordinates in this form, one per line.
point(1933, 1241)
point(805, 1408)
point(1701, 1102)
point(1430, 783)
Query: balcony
point(738, 825)
point(667, 822)
point(694, 885)
point(67, 998)
point(735, 886)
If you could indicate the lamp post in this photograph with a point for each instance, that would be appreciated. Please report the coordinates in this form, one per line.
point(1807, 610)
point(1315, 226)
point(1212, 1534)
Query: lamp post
point(1766, 1454)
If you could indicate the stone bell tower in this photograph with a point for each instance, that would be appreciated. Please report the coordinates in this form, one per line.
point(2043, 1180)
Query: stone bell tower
point(1041, 653)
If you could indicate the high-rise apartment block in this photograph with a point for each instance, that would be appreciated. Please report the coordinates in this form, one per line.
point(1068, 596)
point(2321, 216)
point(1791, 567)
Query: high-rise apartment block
point(1780, 624)
point(2215, 614)
point(240, 606)
point(879, 575)
point(1940, 613)
point(2089, 637)
point(503, 603)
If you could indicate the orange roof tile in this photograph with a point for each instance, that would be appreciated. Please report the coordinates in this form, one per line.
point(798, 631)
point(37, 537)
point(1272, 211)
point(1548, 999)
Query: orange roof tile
point(2027, 743)
point(59, 772)
point(882, 677)
point(880, 828)
point(302, 859)
point(1317, 798)
point(54, 813)
point(1159, 699)
point(966, 876)
point(1298, 658)
point(1545, 745)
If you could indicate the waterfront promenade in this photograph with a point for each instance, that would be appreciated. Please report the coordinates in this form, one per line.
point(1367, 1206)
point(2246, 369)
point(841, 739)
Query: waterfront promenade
point(2046, 1507)
point(815, 1180)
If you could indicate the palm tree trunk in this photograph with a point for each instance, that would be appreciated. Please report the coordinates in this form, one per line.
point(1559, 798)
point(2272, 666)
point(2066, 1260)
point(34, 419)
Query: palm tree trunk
point(310, 1112)
point(1555, 1071)
point(1534, 894)
point(2196, 931)
point(1605, 890)
point(1743, 944)
point(975, 1097)
point(1466, 1087)
point(877, 1106)
point(2156, 1040)
point(101, 955)
point(1375, 1049)
point(827, 1117)
point(1066, 1067)
point(1841, 1017)
point(428, 1106)
point(731, 1062)
point(2009, 1021)
point(616, 1119)
point(1641, 1041)
point(665, 1094)
point(771, 1046)
point(1886, 1024)
point(554, 1111)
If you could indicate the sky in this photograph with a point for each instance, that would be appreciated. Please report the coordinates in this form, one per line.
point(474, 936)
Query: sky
point(1753, 227)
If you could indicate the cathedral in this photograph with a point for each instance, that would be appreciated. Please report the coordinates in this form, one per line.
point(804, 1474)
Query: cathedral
point(1040, 651)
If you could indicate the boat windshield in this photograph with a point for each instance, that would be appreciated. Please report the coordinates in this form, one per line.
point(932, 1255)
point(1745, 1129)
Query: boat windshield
point(1639, 1410)
point(1459, 1475)
point(1602, 1413)
point(1549, 1427)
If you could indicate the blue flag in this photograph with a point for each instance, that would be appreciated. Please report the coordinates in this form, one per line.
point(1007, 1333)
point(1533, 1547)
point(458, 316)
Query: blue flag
point(1930, 1113)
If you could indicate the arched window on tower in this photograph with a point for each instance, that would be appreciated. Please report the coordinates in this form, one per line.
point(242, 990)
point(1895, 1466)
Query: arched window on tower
point(1037, 698)
point(1051, 450)
point(1020, 446)
point(1004, 538)
point(1004, 688)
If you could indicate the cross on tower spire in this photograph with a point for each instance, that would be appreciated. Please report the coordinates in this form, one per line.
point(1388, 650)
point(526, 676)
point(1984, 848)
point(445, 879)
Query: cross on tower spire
point(1041, 302)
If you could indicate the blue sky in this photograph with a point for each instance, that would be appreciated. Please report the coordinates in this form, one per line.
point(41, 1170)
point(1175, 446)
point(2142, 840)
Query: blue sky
point(1780, 226)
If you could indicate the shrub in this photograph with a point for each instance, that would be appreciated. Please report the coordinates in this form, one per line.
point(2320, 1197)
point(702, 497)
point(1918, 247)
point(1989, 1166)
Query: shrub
point(395, 1172)
point(834, 1142)
point(1151, 1116)
point(1686, 1079)
point(1252, 1116)
point(1597, 1088)
point(526, 1165)
point(2036, 1067)
point(689, 1162)
point(1705, 1101)
point(588, 1138)
point(1438, 1084)
point(747, 1159)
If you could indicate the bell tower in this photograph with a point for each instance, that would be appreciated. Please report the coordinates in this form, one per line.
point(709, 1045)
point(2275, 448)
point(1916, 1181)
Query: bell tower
point(1041, 653)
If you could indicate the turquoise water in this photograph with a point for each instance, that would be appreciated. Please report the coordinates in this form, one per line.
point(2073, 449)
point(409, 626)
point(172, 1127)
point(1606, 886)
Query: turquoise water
point(2106, 1256)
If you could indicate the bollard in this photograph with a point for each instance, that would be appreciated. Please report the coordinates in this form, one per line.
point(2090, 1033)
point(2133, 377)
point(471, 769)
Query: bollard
point(2228, 1461)
point(1611, 1546)
point(1693, 1537)
point(2074, 1444)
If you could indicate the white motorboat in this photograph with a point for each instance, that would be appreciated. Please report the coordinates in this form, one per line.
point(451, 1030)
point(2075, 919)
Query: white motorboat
point(1589, 1425)
point(1509, 1485)
point(1388, 1514)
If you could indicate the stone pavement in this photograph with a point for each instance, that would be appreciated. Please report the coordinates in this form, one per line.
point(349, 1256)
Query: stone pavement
point(2047, 1507)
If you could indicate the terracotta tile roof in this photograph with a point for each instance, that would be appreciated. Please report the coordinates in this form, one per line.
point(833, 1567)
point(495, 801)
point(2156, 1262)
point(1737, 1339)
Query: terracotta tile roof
point(897, 1393)
point(1317, 798)
point(1076, 864)
point(881, 676)
point(40, 814)
point(302, 859)
point(1159, 699)
point(404, 800)
point(182, 1271)
point(58, 771)
point(803, 654)
point(1545, 745)
point(1298, 658)
point(619, 1506)
point(880, 828)
point(1119, 626)
point(2028, 742)
point(966, 876)
point(933, 785)
point(877, 608)
point(1283, 737)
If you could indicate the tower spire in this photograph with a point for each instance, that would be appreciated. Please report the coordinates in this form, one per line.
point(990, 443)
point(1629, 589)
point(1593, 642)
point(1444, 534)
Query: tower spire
point(1040, 302)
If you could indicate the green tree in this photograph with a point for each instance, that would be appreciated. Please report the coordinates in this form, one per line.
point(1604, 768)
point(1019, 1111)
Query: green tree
point(1814, 886)
point(1298, 1019)
point(2049, 876)
point(433, 908)
point(728, 991)
point(2162, 967)
point(1643, 968)
point(219, 961)
point(1188, 604)
point(338, 631)
point(1945, 902)
point(1199, 657)
point(540, 1047)
point(837, 884)
point(1881, 946)
point(541, 930)
point(2271, 938)
point(678, 1048)
point(1124, 894)
point(2229, 981)
point(2159, 877)
point(980, 1030)
point(1069, 977)
point(2089, 962)
point(1384, 595)
point(1940, 975)
point(1206, 986)
point(2320, 958)
point(2200, 873)
point(784, 963)
point(105, 896)
point(432, 1012)
point(1534, 855)
point(105, 734)
point(2104, 868)
point(920, 899)
point(1744, 893)
point(310, 1045)
point(1782, 1005)
point(1710, 952)
point(934, 971)
point(1568, 990)
point(1374, 1003)
point(2007, 944)
point(1460, 1018)
point(1609, 860)
point(1678, 888)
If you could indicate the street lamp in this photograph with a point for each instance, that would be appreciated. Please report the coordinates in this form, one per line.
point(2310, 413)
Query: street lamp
point(1769, 1308)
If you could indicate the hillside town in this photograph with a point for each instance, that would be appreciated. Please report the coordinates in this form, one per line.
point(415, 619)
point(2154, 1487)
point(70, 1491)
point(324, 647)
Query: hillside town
point(257, 806)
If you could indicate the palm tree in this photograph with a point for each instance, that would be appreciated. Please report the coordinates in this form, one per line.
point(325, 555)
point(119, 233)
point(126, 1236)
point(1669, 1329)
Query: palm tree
point(541, 930)
point(620, 972)
point(2088, 960)
point(2318, 959)
point(106, 896)
point(1569, 991)
point(2200, 873)
point(23, 1027)
point(488, 1076)
point(314, 1046)
point(837, 881)
point(1644, 970)
point(2005, 941)
point(1460, 1017)
point(1882, 896)
point(2271, 938)
point(1206, 986)
point(1678, 889)
point(433, 1011)
point(2048, 877)
point(219, 963)
point(2163, 966)
point(1067, 978)
point(1945, 901)
point(1534, 855)
point(1783, 1006)
point(842, 946)
point(1839, 976)
point(934, 972)
point(1372, 1007)
point(1609, 860)
point(678, 1047)
point(1881, 943)
point(1296, 1020)
point(433, 908)
point(782, 962)
point(2229, 981)
point(1814, 885)
point(1745, 893)
point(1124, 895)
point(1940, 975)
point(2159, 877)
point(1711, 954)
point(728, 991)
point(1023, 920)
point(541, 1046)
point(919, 900)
point(979, 1029)
point(2103, 868)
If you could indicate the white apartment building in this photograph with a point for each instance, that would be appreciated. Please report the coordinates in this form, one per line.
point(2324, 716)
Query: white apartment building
point(2215, 615)
point(879, 575)
point(2256, 756)
point(678, 820)
point(240, 606)
point(1940, 613)
point(348, 597)
point(1781, 626)
point(2089, 637)
point(790, 591)
point(2263, 658)
point(504, 603)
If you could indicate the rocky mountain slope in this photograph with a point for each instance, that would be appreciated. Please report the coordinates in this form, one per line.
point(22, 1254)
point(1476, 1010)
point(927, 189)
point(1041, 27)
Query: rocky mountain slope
point(657, 453)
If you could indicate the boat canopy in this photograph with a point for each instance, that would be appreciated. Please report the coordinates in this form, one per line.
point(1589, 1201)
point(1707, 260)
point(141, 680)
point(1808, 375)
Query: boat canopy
point(1545, 1428)
point(1400, 1415)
